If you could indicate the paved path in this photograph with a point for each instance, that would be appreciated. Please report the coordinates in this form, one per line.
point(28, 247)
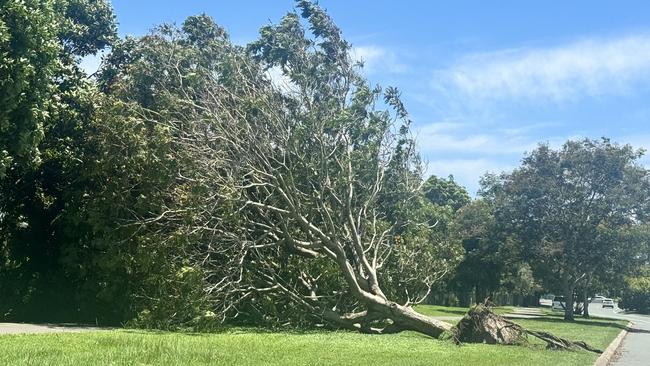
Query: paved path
point(18, 328)
point(635, 349)
point(524, 313)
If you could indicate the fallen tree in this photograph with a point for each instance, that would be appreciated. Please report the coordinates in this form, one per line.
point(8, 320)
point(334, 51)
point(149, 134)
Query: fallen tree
point(299, 197)
point(294, 197)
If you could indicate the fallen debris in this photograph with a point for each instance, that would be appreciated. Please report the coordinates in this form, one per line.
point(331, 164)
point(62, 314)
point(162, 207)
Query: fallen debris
point(482, 325)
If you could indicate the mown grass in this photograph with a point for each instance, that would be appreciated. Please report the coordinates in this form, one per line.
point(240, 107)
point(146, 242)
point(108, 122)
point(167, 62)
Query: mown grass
point(254, 347)
point(598, 332)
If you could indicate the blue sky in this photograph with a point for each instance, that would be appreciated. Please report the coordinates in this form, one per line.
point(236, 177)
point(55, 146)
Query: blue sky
point(484, 81)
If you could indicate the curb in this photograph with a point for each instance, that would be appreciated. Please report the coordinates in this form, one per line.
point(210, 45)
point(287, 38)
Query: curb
point(607, 355)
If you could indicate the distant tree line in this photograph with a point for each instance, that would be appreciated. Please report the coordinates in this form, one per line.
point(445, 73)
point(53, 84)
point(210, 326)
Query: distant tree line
point(192, 182)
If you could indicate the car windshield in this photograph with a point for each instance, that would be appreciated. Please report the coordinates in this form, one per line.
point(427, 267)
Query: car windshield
point(558, 299)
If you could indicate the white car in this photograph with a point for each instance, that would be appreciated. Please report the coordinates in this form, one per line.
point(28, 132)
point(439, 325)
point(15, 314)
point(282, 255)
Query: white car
point(608, 303)
point(558, 303)
point(598, 299)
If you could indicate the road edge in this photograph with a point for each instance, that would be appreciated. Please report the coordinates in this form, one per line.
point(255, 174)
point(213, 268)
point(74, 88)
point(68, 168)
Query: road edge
point(607, 355)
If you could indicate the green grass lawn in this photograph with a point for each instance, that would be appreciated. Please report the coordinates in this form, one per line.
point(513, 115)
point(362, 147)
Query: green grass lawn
point(251, 347)
point(598, 332)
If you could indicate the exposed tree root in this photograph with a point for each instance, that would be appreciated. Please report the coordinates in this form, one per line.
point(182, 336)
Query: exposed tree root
point(481, 325)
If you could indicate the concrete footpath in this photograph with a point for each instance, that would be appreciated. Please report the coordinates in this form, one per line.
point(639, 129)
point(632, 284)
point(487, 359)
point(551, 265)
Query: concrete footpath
point(22, 328)
point(524, 313)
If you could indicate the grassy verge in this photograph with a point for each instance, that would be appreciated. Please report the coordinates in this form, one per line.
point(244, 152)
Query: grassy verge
point(250, 347)
point(598, 332)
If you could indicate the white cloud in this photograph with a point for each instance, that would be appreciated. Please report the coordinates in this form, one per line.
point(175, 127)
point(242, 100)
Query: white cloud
point(590, 67)
point(377, 59)
point(458, 138)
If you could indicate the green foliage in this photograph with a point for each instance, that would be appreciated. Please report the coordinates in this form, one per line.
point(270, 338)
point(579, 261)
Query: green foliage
point(45, 115)
point(102, 198)
point(29, 49)
point(490, 262)
point(141, 269)
point(636, 295)
point(39, 41)
point(133, 196)
point(199, 91)
point(563, 206)
point(86, 26)
point(481, 266)
point(427, 251)
point(445, 192)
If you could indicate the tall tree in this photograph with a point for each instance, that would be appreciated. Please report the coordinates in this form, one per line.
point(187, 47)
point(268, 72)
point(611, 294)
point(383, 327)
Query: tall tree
point(47, 104)
point(559, 201)
point(138, 171)
point(481, 268)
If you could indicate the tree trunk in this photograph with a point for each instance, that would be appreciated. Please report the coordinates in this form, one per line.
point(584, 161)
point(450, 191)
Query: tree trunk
point(386, 317)
point(568, 306)
point(405, 318)
point(480, 295)
point(585, 303)
point(465, 298)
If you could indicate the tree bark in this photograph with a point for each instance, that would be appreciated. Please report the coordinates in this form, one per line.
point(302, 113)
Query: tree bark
point(379, 308)
point(408, 319)
point(465, 298)
point(398, 317)
point(585, 303)
point(568, 305)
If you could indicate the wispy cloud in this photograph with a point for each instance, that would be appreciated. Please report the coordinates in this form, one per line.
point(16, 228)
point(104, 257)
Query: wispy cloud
point(597, 66)
point(450, 137)
point(378, 60)
point(459, 149)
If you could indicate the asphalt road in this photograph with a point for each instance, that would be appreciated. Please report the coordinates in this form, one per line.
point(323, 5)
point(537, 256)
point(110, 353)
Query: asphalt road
point(635, 350)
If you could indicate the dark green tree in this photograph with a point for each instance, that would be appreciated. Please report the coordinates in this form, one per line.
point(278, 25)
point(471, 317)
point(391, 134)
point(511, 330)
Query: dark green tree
point(559, 202)
point(481, 268)
point(47, 106)
point(445, 192)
